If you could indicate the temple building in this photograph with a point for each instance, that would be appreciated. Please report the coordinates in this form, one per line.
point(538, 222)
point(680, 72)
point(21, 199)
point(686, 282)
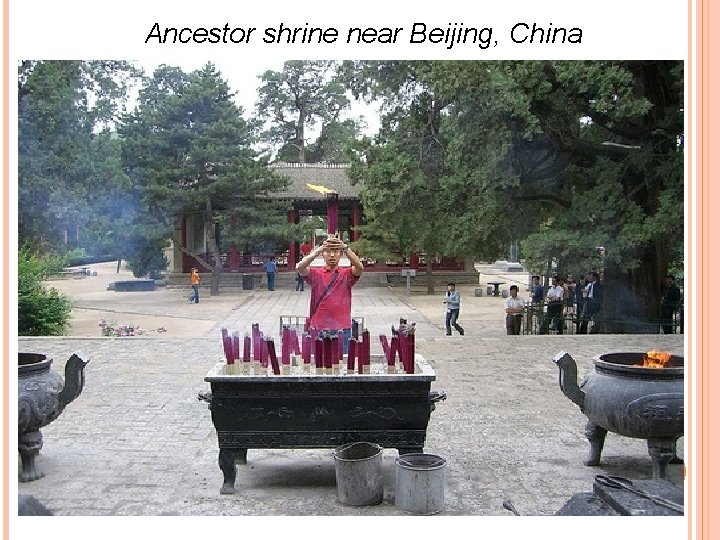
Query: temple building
point(315, 190)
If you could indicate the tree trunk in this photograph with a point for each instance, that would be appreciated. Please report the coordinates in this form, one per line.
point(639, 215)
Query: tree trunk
point(632, 299)
point(217, 269)
point(301, 137)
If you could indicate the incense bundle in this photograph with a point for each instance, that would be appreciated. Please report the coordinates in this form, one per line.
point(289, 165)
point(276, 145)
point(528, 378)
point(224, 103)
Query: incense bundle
point(327, 352)
point(336, 350)
point(227, 347)
point(385, 347)
point(263, 351)
point(393, 351)
point(352, 348)
point(236, 345)
point(270, 347)
point(285, 345)
point(319, 353)
point(306, 348)
point(366, 347)
point(246, 348)
point(406, 346)
point(294, 342)
point(411, 351)
point(257, 346)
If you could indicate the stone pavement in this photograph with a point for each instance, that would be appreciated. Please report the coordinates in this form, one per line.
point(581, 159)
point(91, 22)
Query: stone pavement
point(138, 442)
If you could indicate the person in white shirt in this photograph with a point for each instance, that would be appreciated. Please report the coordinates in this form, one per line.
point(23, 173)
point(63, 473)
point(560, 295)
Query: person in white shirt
point(554, 297)
point(514, 309)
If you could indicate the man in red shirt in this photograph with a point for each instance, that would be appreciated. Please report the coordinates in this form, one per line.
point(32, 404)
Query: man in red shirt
point(330, 297)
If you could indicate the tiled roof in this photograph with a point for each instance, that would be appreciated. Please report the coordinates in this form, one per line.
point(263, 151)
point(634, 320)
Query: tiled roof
point(330, 175)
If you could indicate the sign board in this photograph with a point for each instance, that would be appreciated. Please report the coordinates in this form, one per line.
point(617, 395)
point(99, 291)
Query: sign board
point(408, 272)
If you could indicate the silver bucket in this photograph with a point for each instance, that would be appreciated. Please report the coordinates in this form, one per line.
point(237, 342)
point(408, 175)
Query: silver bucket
point(420, 483)
point(358, 473)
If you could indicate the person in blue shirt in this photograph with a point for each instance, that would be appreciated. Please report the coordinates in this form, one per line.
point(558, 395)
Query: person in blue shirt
point(270, 270)
point(537, 298)
point(538, 293)
point(452, 302)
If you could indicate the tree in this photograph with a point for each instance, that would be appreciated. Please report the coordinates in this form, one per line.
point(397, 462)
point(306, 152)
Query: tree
point(42, 311)
point(414, 198)
point(188, 149)
point(296, 99)
point(569, 156)
point(64, 107)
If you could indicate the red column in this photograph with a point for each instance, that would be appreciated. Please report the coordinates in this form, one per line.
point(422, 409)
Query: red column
point(292, 217)
point(332, 213)
point(414, 261)
point(354, 223)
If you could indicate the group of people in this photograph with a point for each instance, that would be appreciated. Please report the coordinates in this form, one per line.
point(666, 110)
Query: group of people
point(586, 296)
point(330, 298)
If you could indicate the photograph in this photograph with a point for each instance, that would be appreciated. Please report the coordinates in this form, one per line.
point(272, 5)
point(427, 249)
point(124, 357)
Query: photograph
point(436, 265)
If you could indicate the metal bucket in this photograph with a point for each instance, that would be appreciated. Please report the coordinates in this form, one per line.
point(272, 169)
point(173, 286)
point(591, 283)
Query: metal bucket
point(358, 473)
point(420, 483)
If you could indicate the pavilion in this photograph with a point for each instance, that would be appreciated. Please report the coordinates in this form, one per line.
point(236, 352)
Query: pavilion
point(338, 205)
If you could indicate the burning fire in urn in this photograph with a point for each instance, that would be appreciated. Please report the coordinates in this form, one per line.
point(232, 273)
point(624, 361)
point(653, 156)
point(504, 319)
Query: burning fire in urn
point(655, 359)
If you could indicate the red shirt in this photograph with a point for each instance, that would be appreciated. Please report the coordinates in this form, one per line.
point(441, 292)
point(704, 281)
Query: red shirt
point(333, 313)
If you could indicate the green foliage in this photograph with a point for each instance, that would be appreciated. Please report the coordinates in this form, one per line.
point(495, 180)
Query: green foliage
point(565, 156)
point(296, 99)
point(63, 107)
point(188, 149)
point(147, 259)
point(42, 311)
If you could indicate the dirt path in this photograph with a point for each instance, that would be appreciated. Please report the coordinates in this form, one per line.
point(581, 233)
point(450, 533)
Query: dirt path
point(162, 308)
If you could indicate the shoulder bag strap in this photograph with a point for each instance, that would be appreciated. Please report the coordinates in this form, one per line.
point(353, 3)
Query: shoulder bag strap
point(322, 296)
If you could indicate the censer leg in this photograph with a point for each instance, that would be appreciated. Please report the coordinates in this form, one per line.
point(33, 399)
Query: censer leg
point(662, 452)
point(29, 446)
point(675, 460)
point(226, 460)
point(596, 436)
point(241, 456)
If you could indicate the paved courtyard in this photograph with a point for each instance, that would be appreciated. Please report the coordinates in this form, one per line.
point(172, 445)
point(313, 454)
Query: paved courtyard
point(137, 442)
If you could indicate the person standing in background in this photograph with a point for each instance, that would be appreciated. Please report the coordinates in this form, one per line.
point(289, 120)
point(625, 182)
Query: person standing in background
point(195, 280)
point(514, 308)
point(593, 301)
point(536, 290)
point(554, 308)
point(270, 270)
point(537, 296)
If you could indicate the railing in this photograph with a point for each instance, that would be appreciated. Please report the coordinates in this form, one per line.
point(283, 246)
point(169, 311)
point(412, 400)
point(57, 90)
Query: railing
point(254, 261)
point(536, 321)
point(297, 322)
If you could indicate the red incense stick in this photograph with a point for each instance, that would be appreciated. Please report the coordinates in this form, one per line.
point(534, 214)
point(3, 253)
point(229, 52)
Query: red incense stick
point(270, 344)
point(352, 348)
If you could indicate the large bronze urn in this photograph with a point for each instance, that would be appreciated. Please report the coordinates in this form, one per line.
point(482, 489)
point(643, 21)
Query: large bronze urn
point(42, 396)
point(631, 394)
